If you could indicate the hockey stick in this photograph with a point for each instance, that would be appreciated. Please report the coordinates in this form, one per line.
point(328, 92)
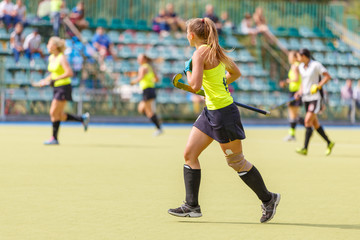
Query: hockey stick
point(284, 103)
point(187, 88)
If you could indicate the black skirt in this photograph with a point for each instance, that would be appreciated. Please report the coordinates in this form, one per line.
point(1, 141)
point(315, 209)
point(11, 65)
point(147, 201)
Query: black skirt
point(223, 125)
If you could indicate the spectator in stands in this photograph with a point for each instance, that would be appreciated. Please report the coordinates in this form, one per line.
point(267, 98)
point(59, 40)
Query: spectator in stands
point(32, 44)
point(20, 9)
point(56, 6)
point(173, 20)
point(8, 14)
point(247, 27)
point(160, 24)
point(227, 25)
point(17, 41)
point(209, 13)
point(103, 45)
point(77, 16)
point(263, 28)
point(347, 95)
point(356, 94)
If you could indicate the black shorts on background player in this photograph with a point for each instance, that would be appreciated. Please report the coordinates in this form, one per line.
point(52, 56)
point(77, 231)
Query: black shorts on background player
point(148, 94)
point(295, 103)
point(63, 93)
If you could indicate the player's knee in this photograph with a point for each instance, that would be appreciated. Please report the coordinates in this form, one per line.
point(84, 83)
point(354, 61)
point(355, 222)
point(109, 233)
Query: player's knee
point(238, 162)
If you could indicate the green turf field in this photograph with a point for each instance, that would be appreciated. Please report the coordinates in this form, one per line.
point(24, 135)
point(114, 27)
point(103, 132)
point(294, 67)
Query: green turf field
point(118, 183)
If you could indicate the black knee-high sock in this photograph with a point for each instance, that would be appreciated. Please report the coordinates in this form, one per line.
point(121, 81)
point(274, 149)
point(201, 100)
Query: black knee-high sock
point(308, 134)
point(192, 184)
point(322, 133)
point(254, 180)
point(55, 129)
point(155, 120)
point(71, 117)
point(293, 124)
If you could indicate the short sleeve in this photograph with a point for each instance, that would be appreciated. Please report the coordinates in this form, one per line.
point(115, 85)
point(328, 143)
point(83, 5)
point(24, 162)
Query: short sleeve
point(320, 68)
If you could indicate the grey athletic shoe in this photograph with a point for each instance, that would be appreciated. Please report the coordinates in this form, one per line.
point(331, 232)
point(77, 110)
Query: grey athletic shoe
point(289, 138)
point(269, 209)
point(186, 210)
point(86, 120)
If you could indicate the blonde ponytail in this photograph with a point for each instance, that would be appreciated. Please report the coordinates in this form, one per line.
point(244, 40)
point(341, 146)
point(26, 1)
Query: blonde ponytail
point(205, 29)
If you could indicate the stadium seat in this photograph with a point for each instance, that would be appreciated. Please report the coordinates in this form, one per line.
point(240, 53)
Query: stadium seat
point(293, 32)
point(35, 76)
point(16, 94)
point(294, 44)
point(333, 72)
point(153, 38)
point(90, 21)
point(34, 94)
point(141, 38)
point(4, 35)
point(86, 35)
point(343, 72)
point(127, 38)
point(152, 53)
point(168, 40)
point(330, 46)
point(39, 64)
point(116, 24)
point(306, 32)
point(318, 33)
point(10, 63)
point(319, 57)
point(128, 24)
point(281, 32)
point(328, 33)
point(23, 63)
point(245, 56)
point(8, 78)
point(114, 36)
point(244, 84)
point(354, 61)
point(318, 45)
point(343, 47)
point(142, 25)
point(355, 73)
point(330, 58)
point(101, 22)
point(333, 86)
point(284, 43)
point(21, 78)
point(306, 43)
point(178, 53)
point(123, 80)
point(342, 59)
point(232, 42)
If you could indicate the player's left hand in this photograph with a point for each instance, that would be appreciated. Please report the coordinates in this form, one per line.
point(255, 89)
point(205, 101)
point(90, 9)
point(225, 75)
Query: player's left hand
point(314, 88)
point(188, 66)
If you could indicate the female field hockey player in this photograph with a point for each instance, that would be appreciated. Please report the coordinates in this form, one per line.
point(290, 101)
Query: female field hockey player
point(219, 121)
point(294, 82)
point(60, 80)
point(147, 79)
point(310, 71)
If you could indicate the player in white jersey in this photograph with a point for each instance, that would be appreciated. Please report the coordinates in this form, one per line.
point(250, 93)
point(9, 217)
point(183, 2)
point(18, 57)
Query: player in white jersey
point(310, 70)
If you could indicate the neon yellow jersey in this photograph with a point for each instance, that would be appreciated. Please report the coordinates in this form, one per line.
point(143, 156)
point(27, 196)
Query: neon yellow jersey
point(55, 5)
point(148, 80)
point(294, 86)
point(57, 70)
point(217, 93)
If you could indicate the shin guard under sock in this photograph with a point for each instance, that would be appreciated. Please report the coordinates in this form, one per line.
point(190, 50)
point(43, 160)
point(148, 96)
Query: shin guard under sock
point(192, 184)
point(254, 180)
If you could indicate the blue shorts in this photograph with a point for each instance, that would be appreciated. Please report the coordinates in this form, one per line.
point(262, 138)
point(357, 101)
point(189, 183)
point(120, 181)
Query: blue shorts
point(148, 94)
point(223, 125)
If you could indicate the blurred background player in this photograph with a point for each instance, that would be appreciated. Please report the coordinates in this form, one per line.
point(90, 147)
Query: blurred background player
point(220, 120)
point(310, 71)
point(147, 79)
point(60, 79)
point(17, 41)
point(294, 82)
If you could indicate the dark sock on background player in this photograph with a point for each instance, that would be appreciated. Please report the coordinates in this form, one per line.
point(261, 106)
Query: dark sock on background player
point(308, 135)
point(56, 126)
point(155, 120)
point(322, 133)
point(75, 118)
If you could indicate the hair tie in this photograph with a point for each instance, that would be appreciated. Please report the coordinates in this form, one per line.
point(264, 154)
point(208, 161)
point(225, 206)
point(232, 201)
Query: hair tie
point(202, 20)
